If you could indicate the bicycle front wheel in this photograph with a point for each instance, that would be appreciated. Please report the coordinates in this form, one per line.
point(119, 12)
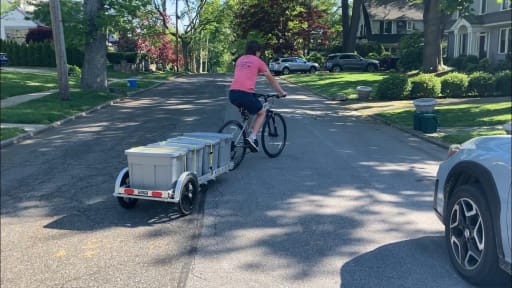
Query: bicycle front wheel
point(238, 148)
point(273, 134)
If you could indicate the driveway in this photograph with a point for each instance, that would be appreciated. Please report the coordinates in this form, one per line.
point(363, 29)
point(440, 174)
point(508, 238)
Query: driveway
point(347, 204)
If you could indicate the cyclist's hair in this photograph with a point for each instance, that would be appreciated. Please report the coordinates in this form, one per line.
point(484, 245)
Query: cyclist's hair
point(252, 47)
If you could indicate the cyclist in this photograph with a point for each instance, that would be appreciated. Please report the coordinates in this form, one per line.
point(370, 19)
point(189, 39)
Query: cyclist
point(241, 91)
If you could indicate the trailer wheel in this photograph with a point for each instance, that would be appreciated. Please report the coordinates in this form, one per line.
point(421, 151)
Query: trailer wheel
point(127, 203)
point(188, 195)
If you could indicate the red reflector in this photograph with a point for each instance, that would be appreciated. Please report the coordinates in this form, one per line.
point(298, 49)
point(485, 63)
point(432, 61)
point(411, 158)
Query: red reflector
point(156, 194)
point(129, 191)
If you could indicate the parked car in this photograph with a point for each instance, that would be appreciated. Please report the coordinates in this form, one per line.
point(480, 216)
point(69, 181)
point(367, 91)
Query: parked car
point(288, 65)
point(472, 198)
point(350, 61)
point(4, 60)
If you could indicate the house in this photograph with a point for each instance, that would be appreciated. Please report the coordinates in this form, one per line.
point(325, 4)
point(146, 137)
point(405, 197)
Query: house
point(486, 32)
point(15, 23)
point(387, 24)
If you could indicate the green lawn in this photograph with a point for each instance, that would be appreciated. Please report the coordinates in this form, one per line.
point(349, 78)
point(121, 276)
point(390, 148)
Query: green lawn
point(486, 118)
point(7, 133)
point(18, 83)
point(334, 84)
point(50, 108)
point(459, 117)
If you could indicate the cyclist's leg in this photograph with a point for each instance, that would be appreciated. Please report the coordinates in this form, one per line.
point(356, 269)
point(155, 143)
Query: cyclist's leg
point(258, 121)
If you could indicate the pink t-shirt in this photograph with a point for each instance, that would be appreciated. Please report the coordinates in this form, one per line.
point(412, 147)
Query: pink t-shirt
point(247, 68)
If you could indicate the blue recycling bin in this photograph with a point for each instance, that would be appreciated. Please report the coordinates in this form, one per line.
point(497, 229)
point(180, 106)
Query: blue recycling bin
point(132, 83)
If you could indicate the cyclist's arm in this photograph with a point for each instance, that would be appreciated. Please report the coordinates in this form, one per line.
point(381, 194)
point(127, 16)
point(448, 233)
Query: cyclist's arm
point(274, 83)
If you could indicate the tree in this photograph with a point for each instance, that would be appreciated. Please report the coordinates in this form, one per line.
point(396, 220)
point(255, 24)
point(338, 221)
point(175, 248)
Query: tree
point(72, 19)
point(94, 70)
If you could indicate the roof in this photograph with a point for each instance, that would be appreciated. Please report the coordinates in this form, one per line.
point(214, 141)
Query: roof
point(394, 10)
point(489, 18)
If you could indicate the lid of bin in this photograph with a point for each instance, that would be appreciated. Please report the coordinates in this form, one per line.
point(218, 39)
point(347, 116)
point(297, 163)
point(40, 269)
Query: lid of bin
point(209, 135)
point(424, 101)
point(192, 140)
point(175, 142)
point(155, 150)
point(364, 88)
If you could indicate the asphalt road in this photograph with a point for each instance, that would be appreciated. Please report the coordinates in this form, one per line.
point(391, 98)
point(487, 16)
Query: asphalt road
point(347, 204)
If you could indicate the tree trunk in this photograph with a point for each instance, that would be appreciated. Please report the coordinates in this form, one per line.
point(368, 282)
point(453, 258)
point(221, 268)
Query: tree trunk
point(345, 23)
point(94, 70)
point(350, 46)
point(432, 59)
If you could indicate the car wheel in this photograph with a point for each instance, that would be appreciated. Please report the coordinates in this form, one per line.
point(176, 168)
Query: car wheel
point(470, 236)
point(371, 68)
point(336, 68)
point(312, 70)
point(286, 71)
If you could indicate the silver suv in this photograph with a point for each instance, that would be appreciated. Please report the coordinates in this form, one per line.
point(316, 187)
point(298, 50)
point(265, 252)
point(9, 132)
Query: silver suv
point(288, 65)
point(350, 61)
point(472, 198)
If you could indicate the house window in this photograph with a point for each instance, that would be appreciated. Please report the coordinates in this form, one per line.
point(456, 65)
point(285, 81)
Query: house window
point(505, 41)
point(410, 25)
point(483, 7)
point(388, 27)
point(505, 4)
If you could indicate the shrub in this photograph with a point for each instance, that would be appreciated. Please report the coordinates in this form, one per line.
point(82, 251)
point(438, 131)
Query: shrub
point(316, 58)
point(115, 57)
point(454, 85)
point(364, 49)
point(372, 55)
point(394, 87)
point(425, 85)
point(481, 84)
point(411, 51)
point(74, 71)
point(503, 80)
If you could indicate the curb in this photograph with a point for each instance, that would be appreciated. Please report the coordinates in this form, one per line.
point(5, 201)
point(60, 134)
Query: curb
point(30, 134)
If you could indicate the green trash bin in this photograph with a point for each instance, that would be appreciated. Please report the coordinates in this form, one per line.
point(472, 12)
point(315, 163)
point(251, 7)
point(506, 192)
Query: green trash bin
point(417, 120)
point(428, 123)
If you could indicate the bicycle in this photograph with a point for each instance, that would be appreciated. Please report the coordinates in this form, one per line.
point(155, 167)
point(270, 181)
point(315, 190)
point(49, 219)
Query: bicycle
point(273, 131)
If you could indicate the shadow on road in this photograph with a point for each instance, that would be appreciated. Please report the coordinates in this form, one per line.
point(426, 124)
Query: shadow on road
point(421, 262)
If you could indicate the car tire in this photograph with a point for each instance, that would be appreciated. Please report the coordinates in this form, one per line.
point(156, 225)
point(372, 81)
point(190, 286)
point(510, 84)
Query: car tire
point(371, 68)
point(470, 236)
point(286, 71)
point(312, 70)
point(336, 68)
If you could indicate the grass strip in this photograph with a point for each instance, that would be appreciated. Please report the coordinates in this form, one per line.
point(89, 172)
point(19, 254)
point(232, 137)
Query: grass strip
point(7, 133)
point(483, 119)
point(333, 84)
point(50, 108)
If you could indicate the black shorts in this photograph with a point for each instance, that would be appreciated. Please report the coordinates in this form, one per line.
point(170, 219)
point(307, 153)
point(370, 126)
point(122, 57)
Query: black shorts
point(246, 100)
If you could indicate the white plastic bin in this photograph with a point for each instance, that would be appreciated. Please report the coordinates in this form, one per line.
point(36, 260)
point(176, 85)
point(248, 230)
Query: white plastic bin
point(194, 152)
point(210, 152)
point(224, 154)
point(155, 168)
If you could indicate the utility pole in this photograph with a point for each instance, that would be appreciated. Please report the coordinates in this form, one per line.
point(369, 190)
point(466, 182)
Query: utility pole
point(177, 40)
point(60, 49)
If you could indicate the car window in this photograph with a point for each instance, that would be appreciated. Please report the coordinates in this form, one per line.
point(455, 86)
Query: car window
point(332, 57)
point(286, 60)
point(345, 57)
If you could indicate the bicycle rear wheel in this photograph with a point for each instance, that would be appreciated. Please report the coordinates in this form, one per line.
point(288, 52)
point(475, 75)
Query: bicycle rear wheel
point(238, 148)
point(273, 134)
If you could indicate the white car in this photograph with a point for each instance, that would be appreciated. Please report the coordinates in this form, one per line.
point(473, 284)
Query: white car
point(473, 200)
point(288, 65)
